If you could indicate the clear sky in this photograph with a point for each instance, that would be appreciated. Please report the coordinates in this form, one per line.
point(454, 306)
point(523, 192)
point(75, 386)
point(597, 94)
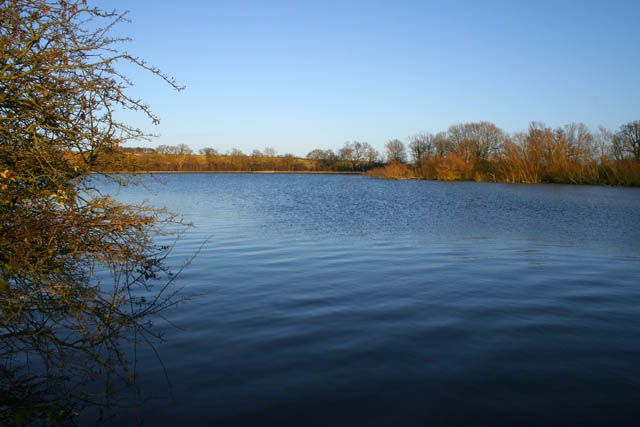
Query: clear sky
point(299, 75)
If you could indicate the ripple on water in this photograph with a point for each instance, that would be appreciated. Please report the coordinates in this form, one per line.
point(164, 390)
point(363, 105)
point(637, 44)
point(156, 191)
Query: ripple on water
point(349, 301)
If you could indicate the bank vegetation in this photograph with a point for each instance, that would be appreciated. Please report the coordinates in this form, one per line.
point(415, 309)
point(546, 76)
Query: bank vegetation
point(571, 154)
point(352, 158)
point(82, 277)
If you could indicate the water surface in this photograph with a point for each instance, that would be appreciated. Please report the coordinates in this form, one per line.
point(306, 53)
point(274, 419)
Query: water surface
point(342, 300)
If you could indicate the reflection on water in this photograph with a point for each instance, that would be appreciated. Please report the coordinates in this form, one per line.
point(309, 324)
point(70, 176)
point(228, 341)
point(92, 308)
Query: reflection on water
point(348, 301)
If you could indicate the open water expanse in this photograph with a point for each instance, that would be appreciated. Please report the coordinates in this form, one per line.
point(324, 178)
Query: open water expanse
point(343, 300)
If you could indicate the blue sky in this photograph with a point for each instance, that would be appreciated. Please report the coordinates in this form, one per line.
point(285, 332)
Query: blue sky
point(301, 75)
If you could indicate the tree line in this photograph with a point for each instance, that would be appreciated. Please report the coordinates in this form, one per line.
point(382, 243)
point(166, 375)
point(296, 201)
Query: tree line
point(478, 151)
point(352, 157)
point(483, 152)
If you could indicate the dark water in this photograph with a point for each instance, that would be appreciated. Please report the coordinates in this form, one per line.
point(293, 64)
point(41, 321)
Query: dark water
point(342, 300)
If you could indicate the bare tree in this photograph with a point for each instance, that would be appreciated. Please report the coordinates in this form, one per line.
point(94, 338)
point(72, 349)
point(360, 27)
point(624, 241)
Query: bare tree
point(346, 152)
point(209, 152)
point(269, 152)
point(396, 151)
point(441, 144)
point(475, 141)
point(581, 143)
point(371, 155)
point(356, 153)
point(165, 149)
point(604, 143)
point(182, 153)
point(184, 149)
point(326, 157)
point(421, 146)
point(235, 152)
point(627, 141)
point(61, 324)
point(316, 154)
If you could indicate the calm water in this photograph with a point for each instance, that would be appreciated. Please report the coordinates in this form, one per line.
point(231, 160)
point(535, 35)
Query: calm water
point(342, 300)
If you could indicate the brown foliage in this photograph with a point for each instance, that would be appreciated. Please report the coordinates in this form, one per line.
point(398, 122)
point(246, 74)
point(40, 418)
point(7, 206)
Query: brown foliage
point(483, 152)
point(62, 325)
point(393, 170)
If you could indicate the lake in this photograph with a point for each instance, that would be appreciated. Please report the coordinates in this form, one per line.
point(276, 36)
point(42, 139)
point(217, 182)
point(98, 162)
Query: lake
point(344, 300)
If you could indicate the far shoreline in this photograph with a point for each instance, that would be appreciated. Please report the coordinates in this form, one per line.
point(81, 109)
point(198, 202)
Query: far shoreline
point(265, 172)
point(366, 175)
